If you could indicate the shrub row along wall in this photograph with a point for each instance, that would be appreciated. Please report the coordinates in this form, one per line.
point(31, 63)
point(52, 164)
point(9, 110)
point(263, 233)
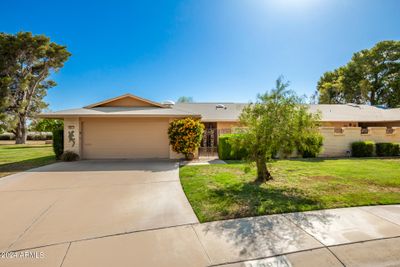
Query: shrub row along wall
point(369, 149)
point(339, 144)
point(30, 136)
point(387, 149)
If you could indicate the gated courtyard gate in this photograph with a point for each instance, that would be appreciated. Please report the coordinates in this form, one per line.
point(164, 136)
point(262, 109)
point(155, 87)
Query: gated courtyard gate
point(209, 143)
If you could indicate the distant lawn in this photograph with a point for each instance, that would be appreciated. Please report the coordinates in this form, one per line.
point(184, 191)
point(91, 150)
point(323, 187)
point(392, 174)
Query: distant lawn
point(227, 191)
point(17, 158)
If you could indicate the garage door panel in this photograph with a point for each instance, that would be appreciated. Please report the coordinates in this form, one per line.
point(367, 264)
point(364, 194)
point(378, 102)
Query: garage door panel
point(125, 138)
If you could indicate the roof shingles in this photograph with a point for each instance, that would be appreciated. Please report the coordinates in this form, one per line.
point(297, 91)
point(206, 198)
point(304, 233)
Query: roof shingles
point(231, 111)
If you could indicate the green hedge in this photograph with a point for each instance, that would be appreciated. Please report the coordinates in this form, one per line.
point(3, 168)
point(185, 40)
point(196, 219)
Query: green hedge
point(227, 151)
point(311, 146)
point(38, 136)
point(387, 149)
point(58, 142)
point(43, 136)
point(7, 136)
point(362, 149)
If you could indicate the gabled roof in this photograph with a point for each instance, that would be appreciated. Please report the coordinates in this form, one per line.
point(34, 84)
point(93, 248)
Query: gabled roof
point(127, 97)
point(127, 105)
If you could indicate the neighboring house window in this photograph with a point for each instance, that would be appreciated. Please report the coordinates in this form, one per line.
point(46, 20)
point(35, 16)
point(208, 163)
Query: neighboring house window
point(338, 130)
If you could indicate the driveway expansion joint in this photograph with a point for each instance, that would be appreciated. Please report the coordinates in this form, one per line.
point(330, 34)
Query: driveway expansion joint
point(305, 250)
point(34, 221)
point(201, 244)
point(262, 258)
point(104, 236)
point(376, 215)
point(65, 255)
point(336, 256)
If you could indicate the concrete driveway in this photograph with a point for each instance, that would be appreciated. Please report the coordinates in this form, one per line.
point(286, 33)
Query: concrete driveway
point(66, 202)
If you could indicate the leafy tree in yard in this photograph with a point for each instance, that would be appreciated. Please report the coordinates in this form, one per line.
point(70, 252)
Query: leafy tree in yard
point(277, 123)
point(47, 125)
point(185, 99)
point(371, 77)
point(26, 62)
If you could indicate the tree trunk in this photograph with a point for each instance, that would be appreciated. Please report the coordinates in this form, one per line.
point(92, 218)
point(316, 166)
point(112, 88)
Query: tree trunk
point(20, 132)
point(263, 174)
point(372, 100)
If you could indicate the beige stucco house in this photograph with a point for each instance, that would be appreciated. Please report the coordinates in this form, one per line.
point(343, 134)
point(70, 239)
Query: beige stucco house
point(129, 126)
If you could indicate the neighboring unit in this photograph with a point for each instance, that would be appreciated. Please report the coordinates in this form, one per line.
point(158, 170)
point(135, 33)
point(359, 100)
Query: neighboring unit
point(132, 127)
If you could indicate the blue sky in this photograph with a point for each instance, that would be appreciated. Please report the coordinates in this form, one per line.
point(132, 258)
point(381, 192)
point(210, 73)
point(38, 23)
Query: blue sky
point(212, 50)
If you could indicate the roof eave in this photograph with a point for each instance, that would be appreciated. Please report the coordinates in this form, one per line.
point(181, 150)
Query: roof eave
point(60, 116)
point(219, 120)
point(348, 120)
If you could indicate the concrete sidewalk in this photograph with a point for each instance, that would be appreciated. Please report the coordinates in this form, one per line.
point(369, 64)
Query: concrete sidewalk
point(202, 161)
point(360, 236)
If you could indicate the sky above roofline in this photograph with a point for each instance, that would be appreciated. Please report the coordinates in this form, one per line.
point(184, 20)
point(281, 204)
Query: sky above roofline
point(214, 51)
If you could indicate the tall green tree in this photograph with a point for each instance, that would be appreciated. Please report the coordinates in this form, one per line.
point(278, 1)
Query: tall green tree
point(185, 99)
point(26, 62)
point(277, 123)
point(47, 125)
point(371, 77)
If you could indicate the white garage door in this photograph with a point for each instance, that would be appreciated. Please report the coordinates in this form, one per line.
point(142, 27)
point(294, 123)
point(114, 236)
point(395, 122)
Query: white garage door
point(104, 138)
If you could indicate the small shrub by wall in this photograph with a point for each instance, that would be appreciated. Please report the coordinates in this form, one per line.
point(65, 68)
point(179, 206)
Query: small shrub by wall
point(387, 149)
point(69, 156)
point(58, 142)
point(228, 151)
point(224, 148)
point(311, 147)
point(362, 149)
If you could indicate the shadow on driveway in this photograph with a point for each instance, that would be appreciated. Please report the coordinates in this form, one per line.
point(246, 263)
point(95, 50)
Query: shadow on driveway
point(148, 165)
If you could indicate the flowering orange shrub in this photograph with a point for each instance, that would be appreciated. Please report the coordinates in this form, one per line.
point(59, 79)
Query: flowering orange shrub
point(185, 135)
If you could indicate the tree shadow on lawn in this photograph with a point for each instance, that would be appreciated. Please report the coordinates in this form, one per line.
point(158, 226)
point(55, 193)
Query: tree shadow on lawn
point(253, 199)
point(311, 160)
point(289, 159)
point(339, 158)
point(24, 165)
point(13, 147)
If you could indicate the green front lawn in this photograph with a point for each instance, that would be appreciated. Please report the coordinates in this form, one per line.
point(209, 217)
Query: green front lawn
point(17, 158)
point(227, 191)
